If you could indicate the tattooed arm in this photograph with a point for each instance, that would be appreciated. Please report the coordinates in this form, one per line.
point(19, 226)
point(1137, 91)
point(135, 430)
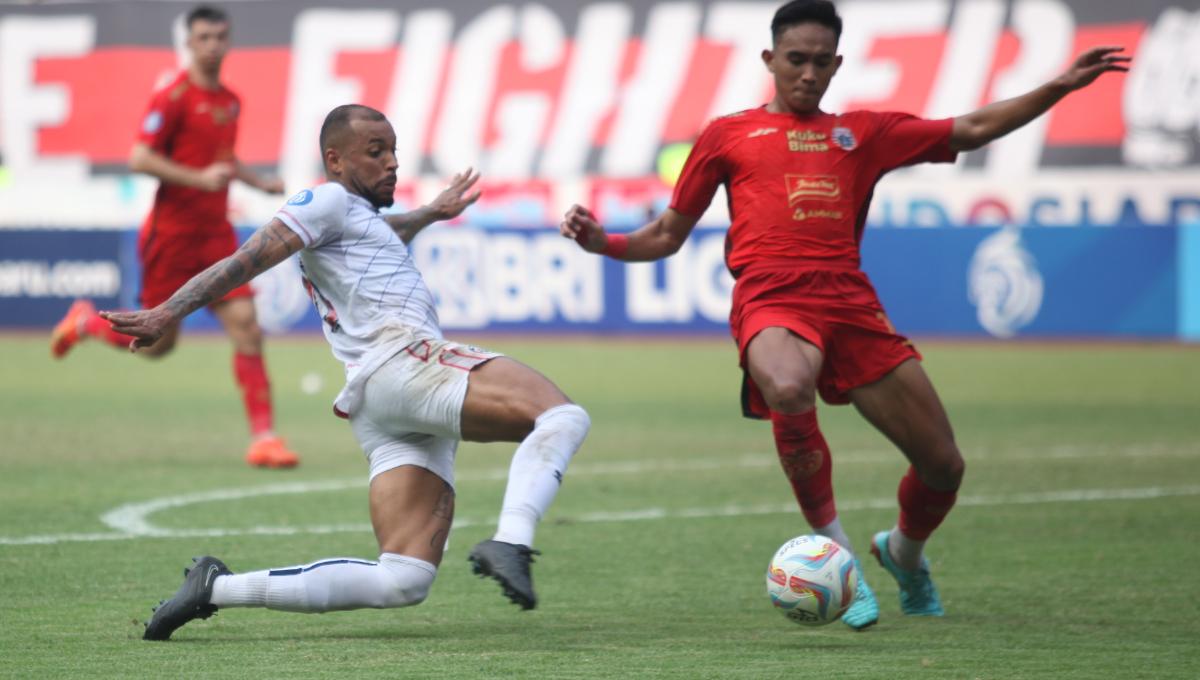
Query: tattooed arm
point(269, 246)
point(448, 204)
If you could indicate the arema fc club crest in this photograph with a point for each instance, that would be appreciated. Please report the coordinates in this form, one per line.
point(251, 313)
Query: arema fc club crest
point(844, 138)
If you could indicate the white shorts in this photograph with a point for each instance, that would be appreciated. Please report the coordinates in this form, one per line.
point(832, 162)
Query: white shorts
point(411, 412)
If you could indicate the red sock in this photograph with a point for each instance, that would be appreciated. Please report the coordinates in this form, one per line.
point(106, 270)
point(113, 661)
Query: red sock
point(922, 507)
point(96, 327)
point(251, 374)
point(806, 462)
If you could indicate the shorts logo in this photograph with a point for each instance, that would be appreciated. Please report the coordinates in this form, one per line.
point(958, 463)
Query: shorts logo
point(303, 198)
point(844, 138)
point(820, 187)
point(152, 122)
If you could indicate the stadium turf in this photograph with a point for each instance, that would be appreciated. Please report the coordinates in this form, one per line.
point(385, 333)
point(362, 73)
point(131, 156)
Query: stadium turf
point(1071, 554)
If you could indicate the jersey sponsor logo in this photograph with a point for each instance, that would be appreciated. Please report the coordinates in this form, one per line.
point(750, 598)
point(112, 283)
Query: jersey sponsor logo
point(844, 138)
point(820, 187)
point(802, 214)
point(807, 141)
point(303, 198)
point(152, 122)
point(760, 132)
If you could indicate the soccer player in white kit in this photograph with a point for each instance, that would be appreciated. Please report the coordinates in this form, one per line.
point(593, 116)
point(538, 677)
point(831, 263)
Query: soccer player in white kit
point(410, 395)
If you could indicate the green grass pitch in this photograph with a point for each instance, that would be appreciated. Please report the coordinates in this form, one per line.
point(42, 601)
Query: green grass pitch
point(1072, 553)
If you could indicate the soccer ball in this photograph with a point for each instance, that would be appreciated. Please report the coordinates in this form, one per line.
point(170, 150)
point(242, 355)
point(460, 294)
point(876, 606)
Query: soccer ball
point(812, 580)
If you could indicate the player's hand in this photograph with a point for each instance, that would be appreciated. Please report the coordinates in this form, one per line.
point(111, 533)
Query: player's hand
point(454, 199)
point(1090, 65)
point(146, 326)
point(216, 176)
point(580, 224)
point(273, 185)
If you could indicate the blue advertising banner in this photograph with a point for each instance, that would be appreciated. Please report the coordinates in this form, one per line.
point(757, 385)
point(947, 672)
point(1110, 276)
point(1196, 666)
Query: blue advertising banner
point(42, 271)
point(1115, 282)
point(1133, 282)
point(1189, 281)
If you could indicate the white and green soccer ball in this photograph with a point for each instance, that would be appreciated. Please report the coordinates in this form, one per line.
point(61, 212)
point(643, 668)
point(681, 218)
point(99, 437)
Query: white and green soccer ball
point(811, 580)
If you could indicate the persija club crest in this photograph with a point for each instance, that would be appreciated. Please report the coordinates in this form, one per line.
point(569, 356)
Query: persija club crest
point(843, 138)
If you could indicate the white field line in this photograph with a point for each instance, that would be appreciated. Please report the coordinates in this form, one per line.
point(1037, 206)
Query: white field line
point(1061, 496)
point(132, 520)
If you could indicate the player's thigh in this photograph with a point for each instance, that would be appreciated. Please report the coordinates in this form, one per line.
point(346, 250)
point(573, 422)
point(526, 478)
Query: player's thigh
point(411, 511)
point(503, 399)
point(784, 366)
point(905, 407)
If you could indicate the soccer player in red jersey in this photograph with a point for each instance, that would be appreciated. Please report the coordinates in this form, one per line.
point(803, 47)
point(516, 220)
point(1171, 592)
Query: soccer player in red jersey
point(187, 142)
point(805, 317)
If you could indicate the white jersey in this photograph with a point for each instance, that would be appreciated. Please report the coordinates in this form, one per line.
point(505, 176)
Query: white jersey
point(372, 300)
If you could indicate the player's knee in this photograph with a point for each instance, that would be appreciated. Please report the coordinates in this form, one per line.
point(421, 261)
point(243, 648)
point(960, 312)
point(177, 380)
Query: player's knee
point(568, 415)
point(406, 587)
point(955, 469)
point(946, 471)
point(248, 338)
point(787, 395)
point(569, 422)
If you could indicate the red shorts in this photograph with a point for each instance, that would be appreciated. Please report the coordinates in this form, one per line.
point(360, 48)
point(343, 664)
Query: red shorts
point(170, 259)
point(836, 310)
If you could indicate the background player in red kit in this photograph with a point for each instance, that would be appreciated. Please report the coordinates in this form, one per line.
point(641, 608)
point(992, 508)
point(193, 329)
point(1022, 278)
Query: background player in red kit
point(805, 317)
point(187, 141)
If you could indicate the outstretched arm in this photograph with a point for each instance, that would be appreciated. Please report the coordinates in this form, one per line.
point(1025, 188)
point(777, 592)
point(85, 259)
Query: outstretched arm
point(654, 241)
point(449, 204)
point(1000, 118)
point(269, 246)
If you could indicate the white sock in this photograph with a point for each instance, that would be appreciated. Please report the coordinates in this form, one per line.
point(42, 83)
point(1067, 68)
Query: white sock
point(835, 531)
point(537, 469)
point(905, 552)
point(330, 585)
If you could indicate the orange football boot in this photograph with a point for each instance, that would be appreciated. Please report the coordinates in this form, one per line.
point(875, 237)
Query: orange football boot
point(271, 452)
point(69, 332)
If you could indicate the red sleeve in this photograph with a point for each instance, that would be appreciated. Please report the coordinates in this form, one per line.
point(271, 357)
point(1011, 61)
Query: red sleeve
point(703, 172)
point(162, 119)
point(902, 139)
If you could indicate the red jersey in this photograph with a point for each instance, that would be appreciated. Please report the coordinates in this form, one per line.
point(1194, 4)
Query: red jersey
point(195, 127)
point(799, 186)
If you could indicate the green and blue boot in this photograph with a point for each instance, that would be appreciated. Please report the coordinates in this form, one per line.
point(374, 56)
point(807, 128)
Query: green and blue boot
point(864, 611)
point(918, 595)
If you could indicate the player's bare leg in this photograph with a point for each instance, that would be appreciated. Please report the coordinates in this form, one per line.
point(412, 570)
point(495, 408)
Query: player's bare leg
point(785, 367)
point(238, 318)
point(508, 401)
point(411, 512)
point(905, 407)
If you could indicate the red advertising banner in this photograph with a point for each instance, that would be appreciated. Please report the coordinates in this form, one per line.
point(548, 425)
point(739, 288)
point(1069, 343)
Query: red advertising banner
point(563, 102)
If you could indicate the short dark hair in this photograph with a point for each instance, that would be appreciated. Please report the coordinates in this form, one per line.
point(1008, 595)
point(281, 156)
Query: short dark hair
point(207, 13)
point(799, 12)
point(338, 120)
